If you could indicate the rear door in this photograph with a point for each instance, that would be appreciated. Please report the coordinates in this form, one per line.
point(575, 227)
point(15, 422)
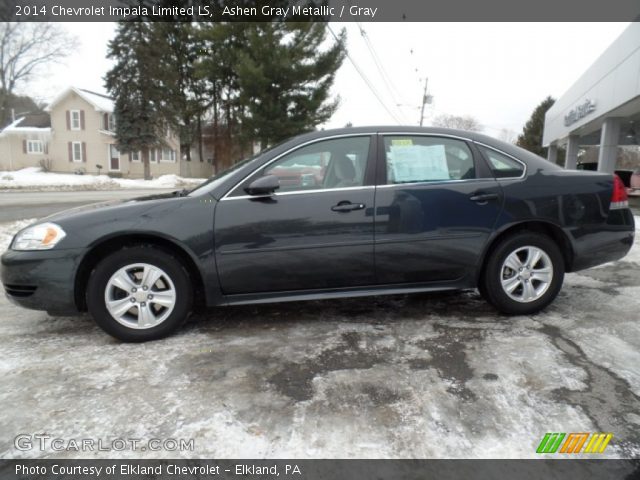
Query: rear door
point(315, 232)
point(436, 205)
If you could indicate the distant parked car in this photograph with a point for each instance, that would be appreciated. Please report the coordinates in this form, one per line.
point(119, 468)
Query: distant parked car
point(624, 174)
point(368, 211)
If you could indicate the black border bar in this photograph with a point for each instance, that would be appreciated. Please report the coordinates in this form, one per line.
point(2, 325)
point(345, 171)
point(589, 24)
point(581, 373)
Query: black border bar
point(565, 469)
point(321, 10)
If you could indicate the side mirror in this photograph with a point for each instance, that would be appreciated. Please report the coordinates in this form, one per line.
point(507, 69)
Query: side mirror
point(263, 186)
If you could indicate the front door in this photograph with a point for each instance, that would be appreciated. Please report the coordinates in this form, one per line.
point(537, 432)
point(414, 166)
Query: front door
point(436, 207)
point(114, 158)
point(315, 232)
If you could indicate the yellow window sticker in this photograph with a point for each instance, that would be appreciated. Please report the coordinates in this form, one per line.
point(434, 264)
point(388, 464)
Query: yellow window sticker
point(401, 142)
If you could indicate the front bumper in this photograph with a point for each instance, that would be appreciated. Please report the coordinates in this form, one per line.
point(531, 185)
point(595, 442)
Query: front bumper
point(41, 280)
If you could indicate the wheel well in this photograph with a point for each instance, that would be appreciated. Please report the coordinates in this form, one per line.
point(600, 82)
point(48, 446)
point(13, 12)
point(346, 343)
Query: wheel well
point(105, 248)
point(548, 229)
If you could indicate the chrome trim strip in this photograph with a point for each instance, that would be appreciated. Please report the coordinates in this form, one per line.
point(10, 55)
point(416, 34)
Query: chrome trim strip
point(298, 192)
point(436, 182)
point(524, 173)
point(419, 134)
point(345, 135)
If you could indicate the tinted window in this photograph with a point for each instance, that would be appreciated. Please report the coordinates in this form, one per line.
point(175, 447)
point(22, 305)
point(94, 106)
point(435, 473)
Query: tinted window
point(426, 159)
point(501, 165)
point(336, 163)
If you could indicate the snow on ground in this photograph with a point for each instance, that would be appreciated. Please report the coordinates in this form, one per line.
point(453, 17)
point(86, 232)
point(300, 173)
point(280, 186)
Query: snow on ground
point(8, 230)
point(409, 376)
point(36, 179)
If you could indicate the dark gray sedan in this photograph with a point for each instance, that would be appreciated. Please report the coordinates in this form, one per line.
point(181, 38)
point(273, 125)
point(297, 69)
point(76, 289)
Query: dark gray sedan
point(340, 213)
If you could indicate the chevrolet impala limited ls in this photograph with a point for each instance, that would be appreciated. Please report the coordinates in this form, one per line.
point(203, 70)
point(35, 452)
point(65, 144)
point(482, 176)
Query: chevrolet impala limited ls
point(341, 213)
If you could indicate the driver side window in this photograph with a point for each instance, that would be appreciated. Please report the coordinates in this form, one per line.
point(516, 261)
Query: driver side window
point(328, 164)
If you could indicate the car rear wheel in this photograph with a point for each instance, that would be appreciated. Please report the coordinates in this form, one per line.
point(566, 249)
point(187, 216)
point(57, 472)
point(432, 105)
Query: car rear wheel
point(139, 293)
point(523, 274)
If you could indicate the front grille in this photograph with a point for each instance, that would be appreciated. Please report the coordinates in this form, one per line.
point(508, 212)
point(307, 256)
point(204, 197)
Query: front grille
point(20, 290)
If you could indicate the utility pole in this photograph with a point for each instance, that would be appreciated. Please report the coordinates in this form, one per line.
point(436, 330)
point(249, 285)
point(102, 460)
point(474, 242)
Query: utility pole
point(424, 100)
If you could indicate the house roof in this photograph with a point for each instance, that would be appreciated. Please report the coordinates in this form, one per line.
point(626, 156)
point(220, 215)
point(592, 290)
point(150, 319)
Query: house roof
point(101, 103)
point(40, 122)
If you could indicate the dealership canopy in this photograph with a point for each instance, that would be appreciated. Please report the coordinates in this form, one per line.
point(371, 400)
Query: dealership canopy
point(602, 108)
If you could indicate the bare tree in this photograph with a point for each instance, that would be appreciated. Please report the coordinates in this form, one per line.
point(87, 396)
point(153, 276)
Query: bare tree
point(507, 135)
point(465, 122)
point(25, 48)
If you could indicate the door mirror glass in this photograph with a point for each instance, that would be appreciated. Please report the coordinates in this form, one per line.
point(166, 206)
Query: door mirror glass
point(263, 186)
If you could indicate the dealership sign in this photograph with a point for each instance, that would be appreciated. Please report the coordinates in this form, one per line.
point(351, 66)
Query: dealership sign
point(581, 111)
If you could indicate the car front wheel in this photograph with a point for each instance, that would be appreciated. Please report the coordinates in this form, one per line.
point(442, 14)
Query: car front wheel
point(523, 274)
point(139, 293)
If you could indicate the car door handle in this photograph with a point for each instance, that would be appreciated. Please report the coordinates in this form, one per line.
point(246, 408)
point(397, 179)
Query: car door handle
point(347, 207)
point(483, 197)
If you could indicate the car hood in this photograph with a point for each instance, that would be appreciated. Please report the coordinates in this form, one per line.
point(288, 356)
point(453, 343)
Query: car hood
point(168, 215)
point(92, 208)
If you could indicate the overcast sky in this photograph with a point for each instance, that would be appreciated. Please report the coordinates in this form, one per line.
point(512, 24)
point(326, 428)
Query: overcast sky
point(496, 72)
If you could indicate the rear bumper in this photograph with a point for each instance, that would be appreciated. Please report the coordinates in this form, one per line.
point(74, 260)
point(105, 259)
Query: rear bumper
point(41, 280)
point(603, 243)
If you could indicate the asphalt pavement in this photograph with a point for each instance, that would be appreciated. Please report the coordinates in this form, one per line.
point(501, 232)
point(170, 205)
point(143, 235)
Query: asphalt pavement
point(32, 204)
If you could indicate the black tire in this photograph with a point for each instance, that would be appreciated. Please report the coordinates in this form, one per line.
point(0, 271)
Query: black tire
point(490, 283)
point(142, 254)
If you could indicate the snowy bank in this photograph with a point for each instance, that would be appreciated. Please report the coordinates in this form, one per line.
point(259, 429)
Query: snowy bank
point(33, 178)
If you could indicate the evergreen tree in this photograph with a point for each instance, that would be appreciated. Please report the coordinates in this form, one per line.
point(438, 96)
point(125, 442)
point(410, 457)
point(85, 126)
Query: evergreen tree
point(133, 82)
point(284, 79)
point(220, 44)
point(531, 136)
point(181, 103)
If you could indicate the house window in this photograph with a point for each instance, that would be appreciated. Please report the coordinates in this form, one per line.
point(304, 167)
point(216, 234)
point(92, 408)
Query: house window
point(34, 146)
point(135, 156)
point(153, 155)
point(77, 151)
point(75, 119)
point(168, 155)
point(111, 120)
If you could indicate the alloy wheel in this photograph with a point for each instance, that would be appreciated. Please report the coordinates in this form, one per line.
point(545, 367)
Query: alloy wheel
point(526, 274)
point(140, 296)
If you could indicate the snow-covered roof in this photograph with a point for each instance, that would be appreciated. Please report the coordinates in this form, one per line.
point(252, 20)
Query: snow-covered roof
point(15, 127)
point(100, 102)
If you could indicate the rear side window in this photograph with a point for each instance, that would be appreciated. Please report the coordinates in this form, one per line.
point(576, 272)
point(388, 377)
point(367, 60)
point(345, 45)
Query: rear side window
point(501, 165)
point(412, 159)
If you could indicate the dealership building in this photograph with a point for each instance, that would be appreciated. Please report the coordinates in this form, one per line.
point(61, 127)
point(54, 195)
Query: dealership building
point(602, 108)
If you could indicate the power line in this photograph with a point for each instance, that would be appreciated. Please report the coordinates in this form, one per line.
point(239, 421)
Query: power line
point(379, 65)
point(364, 77)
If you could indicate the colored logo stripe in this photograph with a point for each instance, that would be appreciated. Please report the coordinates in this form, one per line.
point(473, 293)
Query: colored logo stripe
point(598, 442)
point(550, 443)
point(574, 442)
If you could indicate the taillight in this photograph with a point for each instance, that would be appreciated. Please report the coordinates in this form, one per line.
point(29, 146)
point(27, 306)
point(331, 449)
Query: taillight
point(619, 197)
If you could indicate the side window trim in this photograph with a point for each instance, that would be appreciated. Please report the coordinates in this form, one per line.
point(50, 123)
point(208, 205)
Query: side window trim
point(488, 162)
point(381, 174)
point(237, 191)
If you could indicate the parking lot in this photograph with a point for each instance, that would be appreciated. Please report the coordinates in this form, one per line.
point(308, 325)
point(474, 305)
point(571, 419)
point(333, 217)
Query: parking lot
point(412, 376)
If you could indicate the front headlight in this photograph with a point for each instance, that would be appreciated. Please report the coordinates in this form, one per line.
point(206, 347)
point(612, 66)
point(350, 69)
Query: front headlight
point(38, 237)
